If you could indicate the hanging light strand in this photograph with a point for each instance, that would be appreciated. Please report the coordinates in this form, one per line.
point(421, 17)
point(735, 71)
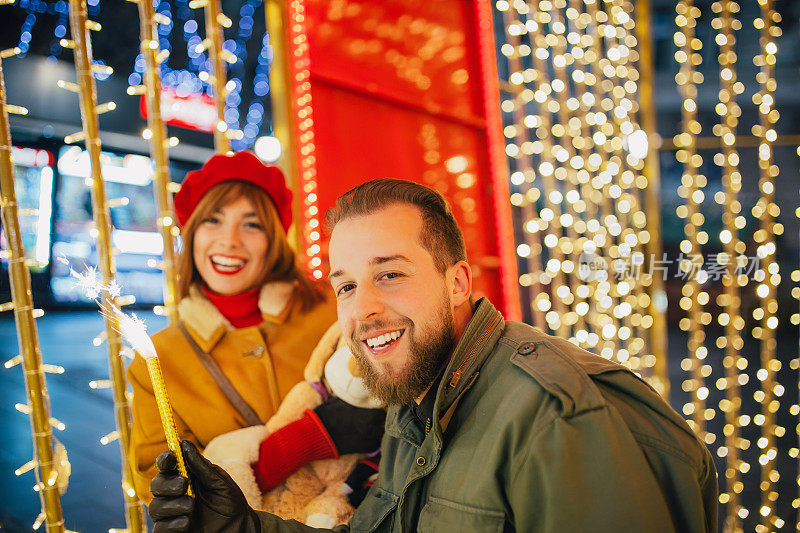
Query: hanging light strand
point(731, 258)
point(588, 200)
point(619, 107)
point(553, 306)
point(38, 406)
point(692, 183)
point(767, 276)
point(604, 224)
point(635, 235)
point(158, 151)
point(794, 410)
point(299, 66)
point(568, 128)
point(100, 211)
point(523, 175)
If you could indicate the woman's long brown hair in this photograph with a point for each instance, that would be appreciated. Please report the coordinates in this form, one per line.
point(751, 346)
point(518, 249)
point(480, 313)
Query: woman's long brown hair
point(281, 263)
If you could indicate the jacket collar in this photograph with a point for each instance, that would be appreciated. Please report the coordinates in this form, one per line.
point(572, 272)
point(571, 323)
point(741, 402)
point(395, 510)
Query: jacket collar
point(472, 350)
point(207, 324)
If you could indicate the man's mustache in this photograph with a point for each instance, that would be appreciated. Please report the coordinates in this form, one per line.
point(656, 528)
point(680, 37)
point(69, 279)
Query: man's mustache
point(365, 330)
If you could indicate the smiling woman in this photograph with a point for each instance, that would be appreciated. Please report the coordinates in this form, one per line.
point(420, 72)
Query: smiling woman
point(249, 315)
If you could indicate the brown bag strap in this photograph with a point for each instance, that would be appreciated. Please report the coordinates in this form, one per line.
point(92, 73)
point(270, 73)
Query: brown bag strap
point(227, 388)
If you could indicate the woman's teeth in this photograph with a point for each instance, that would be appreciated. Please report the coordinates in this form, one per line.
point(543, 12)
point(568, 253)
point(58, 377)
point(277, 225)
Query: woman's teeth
point(227, 263)
point(381, 340)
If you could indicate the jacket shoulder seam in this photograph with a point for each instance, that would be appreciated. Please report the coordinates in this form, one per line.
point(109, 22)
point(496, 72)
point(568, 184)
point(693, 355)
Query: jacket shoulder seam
point(648, 440)
point(508, 341)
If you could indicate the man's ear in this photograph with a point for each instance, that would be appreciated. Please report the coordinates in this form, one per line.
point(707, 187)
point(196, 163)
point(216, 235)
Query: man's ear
point(460, 278)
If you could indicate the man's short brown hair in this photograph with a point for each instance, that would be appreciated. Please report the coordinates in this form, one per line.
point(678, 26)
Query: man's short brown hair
point(440, 233)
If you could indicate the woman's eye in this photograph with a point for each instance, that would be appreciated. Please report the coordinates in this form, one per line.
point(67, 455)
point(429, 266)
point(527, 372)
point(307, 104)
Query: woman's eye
point(344, 289)
point(254, 225)
point(211, 220)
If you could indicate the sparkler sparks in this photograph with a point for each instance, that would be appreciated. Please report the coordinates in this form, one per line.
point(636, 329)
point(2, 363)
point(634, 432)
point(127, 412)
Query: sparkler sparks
point(113, 288)
point(132, 328)
point(88, 282)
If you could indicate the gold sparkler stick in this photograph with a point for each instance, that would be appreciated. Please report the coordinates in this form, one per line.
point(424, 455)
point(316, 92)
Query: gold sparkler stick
point(158, 151)
point(35, 384)
point(134, 512)
point(135, 332)
point(165, 411)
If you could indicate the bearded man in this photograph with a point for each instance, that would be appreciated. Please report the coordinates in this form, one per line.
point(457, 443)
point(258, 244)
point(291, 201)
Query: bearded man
point(492, 425)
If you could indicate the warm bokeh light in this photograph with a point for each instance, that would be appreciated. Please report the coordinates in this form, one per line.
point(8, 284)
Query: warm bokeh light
point(570, 106)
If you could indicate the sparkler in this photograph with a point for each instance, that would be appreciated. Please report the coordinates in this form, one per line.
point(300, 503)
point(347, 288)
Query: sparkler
point(134, 330)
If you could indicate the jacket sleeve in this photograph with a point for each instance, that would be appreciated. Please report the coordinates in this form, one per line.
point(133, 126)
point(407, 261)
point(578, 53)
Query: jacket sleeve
point(585, 473)
point(272, 524)
point(147, 433)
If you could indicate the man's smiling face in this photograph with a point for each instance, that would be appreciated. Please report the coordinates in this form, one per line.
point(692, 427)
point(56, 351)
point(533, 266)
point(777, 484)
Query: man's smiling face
point(395, 307)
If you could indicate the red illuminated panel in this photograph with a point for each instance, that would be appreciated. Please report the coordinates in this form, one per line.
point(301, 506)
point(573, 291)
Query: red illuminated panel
point(396, 90)
point(418, 53)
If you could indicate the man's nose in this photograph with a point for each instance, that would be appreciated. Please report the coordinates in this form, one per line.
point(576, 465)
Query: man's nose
point(368, 303)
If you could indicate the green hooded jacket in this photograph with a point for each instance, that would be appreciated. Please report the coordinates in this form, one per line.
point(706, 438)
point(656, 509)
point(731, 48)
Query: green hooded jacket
point(536, 435)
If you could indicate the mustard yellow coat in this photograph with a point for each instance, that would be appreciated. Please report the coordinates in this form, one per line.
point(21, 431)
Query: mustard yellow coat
point(262, 362)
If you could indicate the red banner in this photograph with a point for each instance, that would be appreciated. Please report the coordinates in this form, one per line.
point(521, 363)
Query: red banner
point(194, 111)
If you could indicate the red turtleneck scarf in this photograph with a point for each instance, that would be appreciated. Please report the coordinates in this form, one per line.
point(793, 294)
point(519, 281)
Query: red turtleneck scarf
point(241, 310)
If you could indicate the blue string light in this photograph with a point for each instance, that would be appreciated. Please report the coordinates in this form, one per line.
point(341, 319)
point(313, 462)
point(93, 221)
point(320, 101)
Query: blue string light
point(183, 81)
point(255, 110)
point(58, 8)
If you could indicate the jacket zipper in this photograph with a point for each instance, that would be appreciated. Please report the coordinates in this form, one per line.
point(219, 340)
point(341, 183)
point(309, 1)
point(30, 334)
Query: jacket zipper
point(474, 351)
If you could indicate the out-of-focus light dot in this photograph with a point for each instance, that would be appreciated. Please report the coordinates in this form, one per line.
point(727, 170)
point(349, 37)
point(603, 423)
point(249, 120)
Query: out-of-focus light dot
point(268, 149)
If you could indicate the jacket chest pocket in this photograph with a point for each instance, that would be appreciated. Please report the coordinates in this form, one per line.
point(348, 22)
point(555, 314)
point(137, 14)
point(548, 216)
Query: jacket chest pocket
point(375, 512)
point(451, 517)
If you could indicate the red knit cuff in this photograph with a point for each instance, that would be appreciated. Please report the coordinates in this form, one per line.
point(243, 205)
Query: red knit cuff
point(291, 447)
point(322, 433)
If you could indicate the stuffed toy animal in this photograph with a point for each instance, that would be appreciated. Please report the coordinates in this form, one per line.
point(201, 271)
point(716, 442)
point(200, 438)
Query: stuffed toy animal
point(315, 494)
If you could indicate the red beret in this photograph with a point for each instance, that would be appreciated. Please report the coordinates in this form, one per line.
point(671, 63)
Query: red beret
point(244, 166)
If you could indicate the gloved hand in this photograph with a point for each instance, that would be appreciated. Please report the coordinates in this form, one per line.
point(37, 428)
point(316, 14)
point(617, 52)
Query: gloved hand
point(218, 504)
point(332, 429)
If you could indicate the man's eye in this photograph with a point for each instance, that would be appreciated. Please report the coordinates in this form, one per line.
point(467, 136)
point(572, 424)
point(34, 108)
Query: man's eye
point(345, 289)
point(392, 275)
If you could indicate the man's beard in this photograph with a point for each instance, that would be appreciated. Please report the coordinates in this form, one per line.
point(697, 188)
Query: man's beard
point(427, 358)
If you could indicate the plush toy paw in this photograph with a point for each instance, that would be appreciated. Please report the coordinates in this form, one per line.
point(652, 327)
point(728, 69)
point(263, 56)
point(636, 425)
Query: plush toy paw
point(321, 520)
point(234, 452)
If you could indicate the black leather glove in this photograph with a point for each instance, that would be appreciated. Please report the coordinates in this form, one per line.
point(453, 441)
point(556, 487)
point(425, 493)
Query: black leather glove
point(218, 504)
point(352, 429)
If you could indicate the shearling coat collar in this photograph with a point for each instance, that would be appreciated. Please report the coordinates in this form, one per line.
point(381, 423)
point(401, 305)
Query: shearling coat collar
point(209, 325)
